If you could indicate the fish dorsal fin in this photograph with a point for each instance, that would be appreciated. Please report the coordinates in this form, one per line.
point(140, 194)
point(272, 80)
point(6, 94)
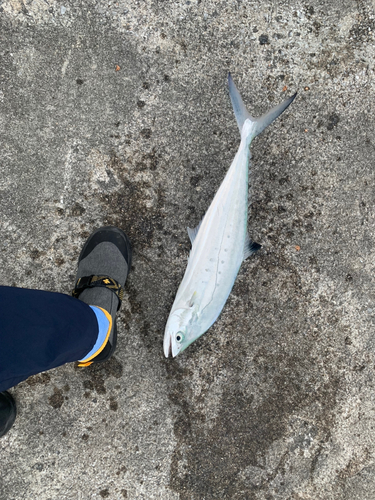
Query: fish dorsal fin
point(250, 247)
point(193, 232)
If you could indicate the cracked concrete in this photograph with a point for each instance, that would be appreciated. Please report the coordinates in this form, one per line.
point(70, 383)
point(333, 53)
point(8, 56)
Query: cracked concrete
point(118, 113)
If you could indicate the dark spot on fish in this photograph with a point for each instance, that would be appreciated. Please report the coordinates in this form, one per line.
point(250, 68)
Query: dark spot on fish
point(79, 81)
point(263, 39)
point(104, 493)
point(141, 104)
point(349, 277)
point(124, 493)
point(146, 85)
point(85, 437)
point(348, 341)
point(166, 78)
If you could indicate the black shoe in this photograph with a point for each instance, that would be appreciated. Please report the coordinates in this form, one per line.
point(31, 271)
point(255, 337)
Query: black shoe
point(103, 267)
point(8, 412)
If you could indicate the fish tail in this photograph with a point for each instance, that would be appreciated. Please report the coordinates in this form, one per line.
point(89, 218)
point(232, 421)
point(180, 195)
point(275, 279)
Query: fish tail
point(242, 114)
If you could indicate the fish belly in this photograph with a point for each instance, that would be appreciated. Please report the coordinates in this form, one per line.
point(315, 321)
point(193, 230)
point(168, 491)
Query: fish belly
point(217, 252)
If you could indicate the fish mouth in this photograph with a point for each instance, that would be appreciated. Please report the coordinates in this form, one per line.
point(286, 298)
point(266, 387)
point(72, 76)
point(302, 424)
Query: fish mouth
point(168, 346)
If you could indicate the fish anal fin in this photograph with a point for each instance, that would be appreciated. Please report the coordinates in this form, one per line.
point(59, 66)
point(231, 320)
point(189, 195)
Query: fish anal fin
point(193, 232)
point(250, 247)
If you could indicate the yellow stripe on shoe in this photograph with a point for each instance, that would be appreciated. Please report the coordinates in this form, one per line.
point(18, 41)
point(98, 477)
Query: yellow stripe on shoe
point(87, 361)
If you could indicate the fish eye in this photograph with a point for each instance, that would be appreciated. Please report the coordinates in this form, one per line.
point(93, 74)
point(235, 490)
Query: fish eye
point(179, 337)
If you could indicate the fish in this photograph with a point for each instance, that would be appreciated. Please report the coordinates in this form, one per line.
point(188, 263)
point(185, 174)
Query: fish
point(220, 242)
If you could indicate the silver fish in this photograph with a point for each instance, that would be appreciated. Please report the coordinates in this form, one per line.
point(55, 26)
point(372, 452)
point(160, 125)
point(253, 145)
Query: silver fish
point(220, 242)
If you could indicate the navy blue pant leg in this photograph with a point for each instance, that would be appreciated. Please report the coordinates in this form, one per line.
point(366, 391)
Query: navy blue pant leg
point(41, 330)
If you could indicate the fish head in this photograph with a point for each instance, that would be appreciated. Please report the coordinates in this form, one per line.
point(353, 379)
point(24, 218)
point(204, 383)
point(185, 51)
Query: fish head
point(179, 332)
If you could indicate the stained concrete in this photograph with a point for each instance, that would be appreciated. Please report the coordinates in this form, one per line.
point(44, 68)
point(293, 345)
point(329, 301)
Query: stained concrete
point(118, 113)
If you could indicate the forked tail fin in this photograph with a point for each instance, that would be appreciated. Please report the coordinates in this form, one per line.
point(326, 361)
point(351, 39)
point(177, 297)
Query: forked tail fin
point(242, 114)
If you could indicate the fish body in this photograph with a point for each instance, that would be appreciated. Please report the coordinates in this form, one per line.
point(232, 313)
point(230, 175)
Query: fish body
point(219, 243)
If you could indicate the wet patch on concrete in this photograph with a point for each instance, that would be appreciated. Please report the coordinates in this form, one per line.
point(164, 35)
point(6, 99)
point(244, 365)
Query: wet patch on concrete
point(57, 398)
point(128, 207)
point(95, 375)
point(212, 455)
point(41, 378)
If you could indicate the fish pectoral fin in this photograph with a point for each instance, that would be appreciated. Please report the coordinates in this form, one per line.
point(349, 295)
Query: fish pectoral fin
point(193, 232)
point(192, 300)
point(250, 247)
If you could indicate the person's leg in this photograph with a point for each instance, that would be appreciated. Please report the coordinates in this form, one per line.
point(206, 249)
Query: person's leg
point(42, 330)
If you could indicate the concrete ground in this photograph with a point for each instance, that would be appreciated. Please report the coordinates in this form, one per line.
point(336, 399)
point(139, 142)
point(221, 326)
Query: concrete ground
point(118, 113)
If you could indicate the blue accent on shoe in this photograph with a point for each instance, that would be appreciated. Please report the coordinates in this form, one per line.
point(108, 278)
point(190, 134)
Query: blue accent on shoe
point(103, 324)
